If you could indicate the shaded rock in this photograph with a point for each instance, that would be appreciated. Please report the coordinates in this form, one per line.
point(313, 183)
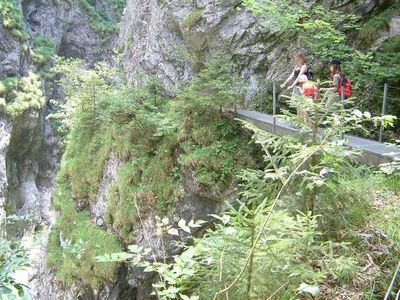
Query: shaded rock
point(5, 133)
point(12, 57)
point(98, 207)
point(67, 24)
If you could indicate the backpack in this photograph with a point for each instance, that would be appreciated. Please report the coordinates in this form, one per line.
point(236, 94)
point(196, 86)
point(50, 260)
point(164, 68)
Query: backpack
point(346, 84)
point(309, 75)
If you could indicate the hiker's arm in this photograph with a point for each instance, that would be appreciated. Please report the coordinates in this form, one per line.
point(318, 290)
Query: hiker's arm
point(334, 88)
point(291, 76)
point(303, 70)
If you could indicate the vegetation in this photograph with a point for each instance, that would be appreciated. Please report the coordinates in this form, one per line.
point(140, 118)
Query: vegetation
point(307, 220)
point(298, 228)
point(327, 34)
point(12, 259)
point(43, 49)
point(156, 143)
point(75, 241)
point(18, 95)
point(370, 30)
point(12, 18)
point(100, 19)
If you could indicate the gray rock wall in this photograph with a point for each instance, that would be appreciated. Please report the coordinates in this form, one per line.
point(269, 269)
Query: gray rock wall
point(29, 150)
point(5, 132)
point(67, 24)
point(156, 35)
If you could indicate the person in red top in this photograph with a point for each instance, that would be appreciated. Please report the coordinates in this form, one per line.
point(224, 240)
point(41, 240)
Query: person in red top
point(339, 83)
point(309, 91)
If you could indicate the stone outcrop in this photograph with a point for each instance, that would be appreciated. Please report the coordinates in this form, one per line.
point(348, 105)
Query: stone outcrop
point(29, 150)
point(13, 61)
point(157, 35)
point(5, 132)
point(67, 24)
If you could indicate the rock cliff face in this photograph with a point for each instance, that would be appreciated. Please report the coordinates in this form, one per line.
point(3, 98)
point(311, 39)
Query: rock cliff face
point(67, 24)
point(29, 150)
point(155, 34)
point(5, 130)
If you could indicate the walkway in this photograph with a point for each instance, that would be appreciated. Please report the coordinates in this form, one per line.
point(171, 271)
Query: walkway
point(373, 152)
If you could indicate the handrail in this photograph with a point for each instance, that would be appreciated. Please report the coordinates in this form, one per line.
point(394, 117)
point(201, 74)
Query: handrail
point(385, 99)
point(394, 279)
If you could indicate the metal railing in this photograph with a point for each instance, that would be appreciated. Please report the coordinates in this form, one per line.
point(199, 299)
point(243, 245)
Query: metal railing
point(385, 99)
point(392, 285)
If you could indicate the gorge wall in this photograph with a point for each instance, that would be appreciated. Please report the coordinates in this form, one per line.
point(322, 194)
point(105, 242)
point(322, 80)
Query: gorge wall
point(171, 39)
point(29, 149)
point(155, 37)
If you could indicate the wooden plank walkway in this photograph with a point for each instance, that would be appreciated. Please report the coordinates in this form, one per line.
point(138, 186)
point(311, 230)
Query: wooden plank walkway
point(373, 152)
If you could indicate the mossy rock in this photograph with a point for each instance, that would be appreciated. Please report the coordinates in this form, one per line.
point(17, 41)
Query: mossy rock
point(192, 18)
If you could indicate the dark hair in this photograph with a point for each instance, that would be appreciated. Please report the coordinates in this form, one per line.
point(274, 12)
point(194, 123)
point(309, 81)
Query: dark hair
point(301, 56)
point(336, 66)
point(336, 62)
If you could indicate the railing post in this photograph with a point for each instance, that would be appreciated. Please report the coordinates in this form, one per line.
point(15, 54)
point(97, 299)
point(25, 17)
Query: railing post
point(274, 106)
point(342, 101)
point(262, 99)
point(384, 108)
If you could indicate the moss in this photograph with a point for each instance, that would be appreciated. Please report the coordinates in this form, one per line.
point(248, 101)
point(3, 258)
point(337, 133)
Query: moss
point(21, 94)
point(119, 6)
point(99, 20)
point(217, 153)
point(75, 242)
point(192, 18)
point(143, 130)
point(148, 181)
point(84, 163)
point(12, 18)
point(370, 31)
point(43, 49)
point(129, 40)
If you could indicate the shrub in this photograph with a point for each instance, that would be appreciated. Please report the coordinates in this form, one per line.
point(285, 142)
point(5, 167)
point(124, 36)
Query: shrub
point(43, 49)
point(13, 258)
point(12, 18)
point(211, 90)
point(104, 117)
point(99, 19)
point(21, 94)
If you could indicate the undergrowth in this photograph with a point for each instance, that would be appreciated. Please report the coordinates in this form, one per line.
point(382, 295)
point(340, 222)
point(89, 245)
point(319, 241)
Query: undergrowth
point(43, 49)
point(12, 18)
point(18, 95)
point(154, 142)
point(75, 241)
point(370, 31)
point(100, 19)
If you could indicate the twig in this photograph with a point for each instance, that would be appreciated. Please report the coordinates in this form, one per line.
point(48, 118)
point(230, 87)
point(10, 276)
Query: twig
point(281, 287)
point(264, 224)
point(147, 238)
point(221, 268)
